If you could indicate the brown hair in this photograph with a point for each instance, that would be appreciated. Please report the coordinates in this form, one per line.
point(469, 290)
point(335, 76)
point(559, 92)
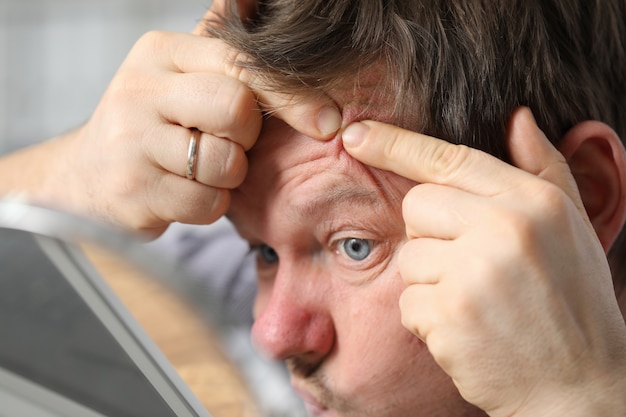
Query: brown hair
point(459, 68)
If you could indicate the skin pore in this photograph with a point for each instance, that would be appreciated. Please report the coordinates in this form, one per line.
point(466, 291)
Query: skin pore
point(327, 229)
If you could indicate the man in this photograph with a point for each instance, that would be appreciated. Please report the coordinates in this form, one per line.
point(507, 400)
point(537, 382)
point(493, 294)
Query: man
point(506, 303)
point(505, 268)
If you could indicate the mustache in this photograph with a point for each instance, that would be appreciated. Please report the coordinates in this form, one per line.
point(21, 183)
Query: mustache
point(302, 368)
point(316, 380)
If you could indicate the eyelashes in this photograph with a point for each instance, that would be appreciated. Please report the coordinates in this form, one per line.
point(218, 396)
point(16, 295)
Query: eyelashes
point(351, 248)
point(264, 253)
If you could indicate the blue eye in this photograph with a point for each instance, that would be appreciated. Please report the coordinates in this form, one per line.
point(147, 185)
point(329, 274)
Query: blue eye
point(266, 254)
point(355, 249)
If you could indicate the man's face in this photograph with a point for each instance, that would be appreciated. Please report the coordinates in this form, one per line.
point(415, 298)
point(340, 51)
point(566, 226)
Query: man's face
point(327, 230)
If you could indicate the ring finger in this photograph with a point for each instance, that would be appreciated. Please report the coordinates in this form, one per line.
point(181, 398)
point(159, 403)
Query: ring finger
point(219, 162)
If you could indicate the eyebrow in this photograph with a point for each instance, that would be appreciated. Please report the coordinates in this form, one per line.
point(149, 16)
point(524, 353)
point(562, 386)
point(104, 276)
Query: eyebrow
point(338, 195)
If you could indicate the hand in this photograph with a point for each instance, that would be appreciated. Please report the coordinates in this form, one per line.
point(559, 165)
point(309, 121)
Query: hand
point(128, 162)
point(508, 284)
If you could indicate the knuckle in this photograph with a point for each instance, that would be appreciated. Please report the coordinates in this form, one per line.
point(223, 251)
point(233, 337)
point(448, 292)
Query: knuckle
point(208, 206)
point(409, 323)
point(218, 205)
point(516, 229)
point(126, 86)
point(442, 349)
point(410, 201)
point(523, 236)
point(519, 226)
point(405, 262)
point(485, 279)
point(200, 205)
point(409, 318)
point(147, 47)
point(447, 160)
point(522, 229)
point(244, 115)
point(242, 102)
point(460, 307)
point(233, 165)
point(130, 86)
point(153, 40)
point(396, 146)
point(552, 199)
point(527, 229)
point(234, 65)
point(416, 196)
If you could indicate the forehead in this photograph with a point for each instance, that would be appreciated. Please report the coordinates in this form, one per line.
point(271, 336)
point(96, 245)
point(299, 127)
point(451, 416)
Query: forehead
point(304, 179)
point(296, 183)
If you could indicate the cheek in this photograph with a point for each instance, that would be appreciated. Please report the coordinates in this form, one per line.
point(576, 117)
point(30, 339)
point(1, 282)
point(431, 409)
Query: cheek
point(381, 365)
point(374, 346)
point(386, 369)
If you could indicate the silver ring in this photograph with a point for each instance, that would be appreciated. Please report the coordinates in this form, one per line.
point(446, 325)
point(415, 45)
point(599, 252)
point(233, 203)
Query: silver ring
point(192, 153)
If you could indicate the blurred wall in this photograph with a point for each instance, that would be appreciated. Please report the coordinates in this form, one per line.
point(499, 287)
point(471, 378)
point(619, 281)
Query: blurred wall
point(58, 56)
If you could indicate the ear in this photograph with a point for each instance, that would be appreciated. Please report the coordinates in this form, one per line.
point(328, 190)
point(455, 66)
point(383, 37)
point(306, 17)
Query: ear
point(597, 160)
point(247, 9)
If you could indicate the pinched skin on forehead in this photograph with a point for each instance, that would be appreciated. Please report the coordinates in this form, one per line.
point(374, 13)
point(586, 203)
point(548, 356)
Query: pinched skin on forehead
point(284, 159)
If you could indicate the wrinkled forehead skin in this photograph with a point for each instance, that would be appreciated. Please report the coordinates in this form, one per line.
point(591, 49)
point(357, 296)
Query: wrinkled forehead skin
point(285, 162)
point(282, 153)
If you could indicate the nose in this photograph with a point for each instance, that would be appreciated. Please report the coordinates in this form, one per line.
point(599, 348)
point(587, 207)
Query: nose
point(293, 321)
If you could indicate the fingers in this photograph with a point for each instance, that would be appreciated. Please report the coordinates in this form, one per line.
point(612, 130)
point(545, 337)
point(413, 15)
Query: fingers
point(220, 162)
point(164, 198)
point(417, 307)
point(316, 117)
point(532, 152)
point(427, 159)
point(442, 212)
point(415, 261)
point(215, 104)
point(178, 199)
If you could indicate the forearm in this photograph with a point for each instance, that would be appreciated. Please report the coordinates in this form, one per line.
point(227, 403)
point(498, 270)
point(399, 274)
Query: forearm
point(40, 172)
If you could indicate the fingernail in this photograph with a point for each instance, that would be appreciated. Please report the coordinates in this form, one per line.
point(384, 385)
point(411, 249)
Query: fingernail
point(354, 134)
point(529, 113)
point(329, 120)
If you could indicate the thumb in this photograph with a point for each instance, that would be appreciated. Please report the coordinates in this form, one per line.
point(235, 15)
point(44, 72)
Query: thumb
point(245, 8)
point(531, 151)
point(315, 115)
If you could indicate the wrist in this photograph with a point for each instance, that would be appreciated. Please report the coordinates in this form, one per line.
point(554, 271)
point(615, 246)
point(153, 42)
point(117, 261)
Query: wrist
point(595, 398)
point(42, 173)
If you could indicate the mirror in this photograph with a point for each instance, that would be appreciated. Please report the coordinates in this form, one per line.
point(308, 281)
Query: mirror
point(97, 323)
